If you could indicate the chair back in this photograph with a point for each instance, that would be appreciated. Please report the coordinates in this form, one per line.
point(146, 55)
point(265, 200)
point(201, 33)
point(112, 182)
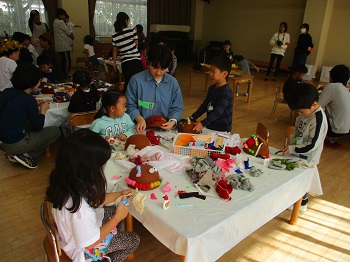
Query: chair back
point(51, 242)
point(288, 133)
point(81, 118)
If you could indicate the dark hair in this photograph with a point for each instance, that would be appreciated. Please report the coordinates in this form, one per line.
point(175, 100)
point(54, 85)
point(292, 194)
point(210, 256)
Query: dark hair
point(227, 42)
point(237, 58)
point(32, 14)
point(222, 62)
point(42, 37)
point(82, 78)
point(302, 96)
point(300, 68)
point(26, 37)
point(306, 26)
point(159, 55)
point(43, 60)
point(139, 28)
point(110, 98)
point(67, 16)
point(142, 46)
point(121, 21)
point(78, 172)
point(285, 26)
point(19, 37)
point(339, 74)
point(60, 11)
point(25, 76)
point(88, 39)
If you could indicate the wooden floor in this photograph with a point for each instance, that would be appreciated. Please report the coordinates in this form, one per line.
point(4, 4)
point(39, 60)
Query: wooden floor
point(322, 233)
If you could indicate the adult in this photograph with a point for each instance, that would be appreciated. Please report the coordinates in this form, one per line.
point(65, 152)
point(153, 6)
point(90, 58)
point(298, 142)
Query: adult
point(336, 98)
point(62, 36)
point(23, 137)
point(9, 54)
point(125, 43)
point(153, 92)
point(37, 28)
point(25, 56)
point(304, 46)
point(279, 42)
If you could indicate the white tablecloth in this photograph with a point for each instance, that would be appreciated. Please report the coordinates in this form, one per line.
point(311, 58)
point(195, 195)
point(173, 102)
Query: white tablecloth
point(57, 114)
point(211, 227)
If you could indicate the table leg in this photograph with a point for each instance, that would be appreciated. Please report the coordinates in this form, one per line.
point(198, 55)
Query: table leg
point(250, 87)
point(129, 228)
point(190, 86)
point(294, 217)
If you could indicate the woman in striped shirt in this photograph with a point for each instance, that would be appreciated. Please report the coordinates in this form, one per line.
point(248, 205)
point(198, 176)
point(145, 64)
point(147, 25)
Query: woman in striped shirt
point(125, 43)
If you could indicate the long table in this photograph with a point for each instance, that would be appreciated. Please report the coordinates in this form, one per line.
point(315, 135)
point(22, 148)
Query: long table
point(209, 228)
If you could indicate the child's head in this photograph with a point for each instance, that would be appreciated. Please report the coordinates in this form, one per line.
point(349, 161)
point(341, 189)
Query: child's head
point(26, 76)
point(66, 18)
point(303, 99)
point(283, 27)
point(44, 42)
point(226, 45)
point(304, 28)
point(89, 40)
point(339, 74)
point(114, 103)
point(10, 49)
point(220, 68)
point(78, 171)
point(142, 49)
point(237, 58)
point(121, 22)
point(299, 71)
point(44, 63)
point(82, 79)
point(139, 28)
point(19, 37)
point(61, 13)
point(26, 41)
point(159, 58)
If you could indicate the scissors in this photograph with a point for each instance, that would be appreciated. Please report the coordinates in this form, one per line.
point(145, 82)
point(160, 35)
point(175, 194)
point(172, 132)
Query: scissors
point(126, 201)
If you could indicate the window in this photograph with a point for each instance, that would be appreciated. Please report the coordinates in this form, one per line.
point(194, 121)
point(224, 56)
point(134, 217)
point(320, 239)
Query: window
point(14, 15)
point(106, 12)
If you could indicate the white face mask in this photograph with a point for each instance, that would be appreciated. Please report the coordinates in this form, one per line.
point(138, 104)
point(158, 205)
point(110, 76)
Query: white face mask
point(87, 90)
point(303, 30)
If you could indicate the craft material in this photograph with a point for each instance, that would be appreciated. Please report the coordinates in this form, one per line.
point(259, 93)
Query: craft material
point(166, 202)
point(224, 189)
point(192, 194)
point(183, 205)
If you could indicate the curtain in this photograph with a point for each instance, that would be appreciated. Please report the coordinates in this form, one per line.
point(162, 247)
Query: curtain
point(170, 12)
point(91, 6)
point(51, 8)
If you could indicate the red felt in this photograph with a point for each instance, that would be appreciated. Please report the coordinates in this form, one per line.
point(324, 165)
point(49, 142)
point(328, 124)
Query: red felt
point(224, 190)
point(216, 156)
point(233, 150)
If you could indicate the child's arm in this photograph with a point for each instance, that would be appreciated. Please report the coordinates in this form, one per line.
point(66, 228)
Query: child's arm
point(174, 66)
point(115, 52)
point(86, 51)
point(112, 197)
point(201, 109)
point(130, 128)
point(253, 66)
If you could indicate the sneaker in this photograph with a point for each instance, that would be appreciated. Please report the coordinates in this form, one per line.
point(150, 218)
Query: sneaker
point(332, 144)
point(10, 158)
point(266, 79)
point(246, 93)
point(236, 94)
point(26, 161)
point(303, 208)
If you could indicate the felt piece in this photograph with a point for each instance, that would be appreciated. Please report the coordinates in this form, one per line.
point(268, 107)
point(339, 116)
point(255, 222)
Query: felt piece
point(167, 188)
point(225, 164)
point(233, 150)
point(247, 164)
point(138, 202)
point(233, 141)
point(155, 140)
point(140, 141)
point(238, 171)
point(186, 126)
point(184, 140)
point(206, 180)
point(224, 189)
point(119, 156)
point(209, 161)
point(204, 138)
point(216, 156)
point(240, 182)
point(191, 194)
point(116, 177)
point(131, 150)
point(153, 196)
point(255, 172)
point(155, 121)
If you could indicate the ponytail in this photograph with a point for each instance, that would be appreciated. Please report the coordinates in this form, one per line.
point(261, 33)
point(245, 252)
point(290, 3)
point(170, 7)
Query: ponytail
point(110, 98)
point(121, 21)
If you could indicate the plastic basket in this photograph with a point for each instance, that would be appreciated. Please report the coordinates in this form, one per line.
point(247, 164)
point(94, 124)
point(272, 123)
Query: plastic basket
point(193, 151)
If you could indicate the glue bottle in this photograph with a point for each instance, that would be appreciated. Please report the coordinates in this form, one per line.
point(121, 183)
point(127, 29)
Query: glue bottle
point(166, 202)
point(267, 160)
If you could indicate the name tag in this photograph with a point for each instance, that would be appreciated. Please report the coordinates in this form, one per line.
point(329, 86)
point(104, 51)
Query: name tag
point(143, 104)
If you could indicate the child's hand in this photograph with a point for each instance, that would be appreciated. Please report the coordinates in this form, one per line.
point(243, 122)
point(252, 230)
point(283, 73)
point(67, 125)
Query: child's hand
point(141, 126)
point(198, 126)
point(128, 192)
point(44, 106)
point(39, 102)
point(168, 125)
point(286, 151)
point(121, 212)
point(122, 137)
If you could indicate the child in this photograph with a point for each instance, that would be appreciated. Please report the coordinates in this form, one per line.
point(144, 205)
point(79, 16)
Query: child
point(9, 54)
point(89, 50)
point(173, 64)
point(70, 26)
point(30, 47)
point(48, 71)
point(116, 122)
point(140, 34)
point(244, 65)
point(77, 191)
point(310, 130)
point(143, 52)
point(24, 136)
point(48, 51)
point(153, 92)
point(226, 45)
point(293, 80)
point(24, 55)
point(86, 96)
point(218, 103)
point(335, 97)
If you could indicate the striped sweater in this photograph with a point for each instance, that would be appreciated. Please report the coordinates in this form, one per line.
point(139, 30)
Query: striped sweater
point(125, 42)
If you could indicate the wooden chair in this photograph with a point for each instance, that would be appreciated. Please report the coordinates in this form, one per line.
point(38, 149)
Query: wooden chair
point(280, 100)
point(80, 63)
point(81, 119)
point(93, 73)
point(288, 133)
point(51, 243)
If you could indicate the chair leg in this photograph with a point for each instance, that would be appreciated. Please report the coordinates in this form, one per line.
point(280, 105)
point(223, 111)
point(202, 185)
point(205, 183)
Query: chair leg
point(275, 103)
